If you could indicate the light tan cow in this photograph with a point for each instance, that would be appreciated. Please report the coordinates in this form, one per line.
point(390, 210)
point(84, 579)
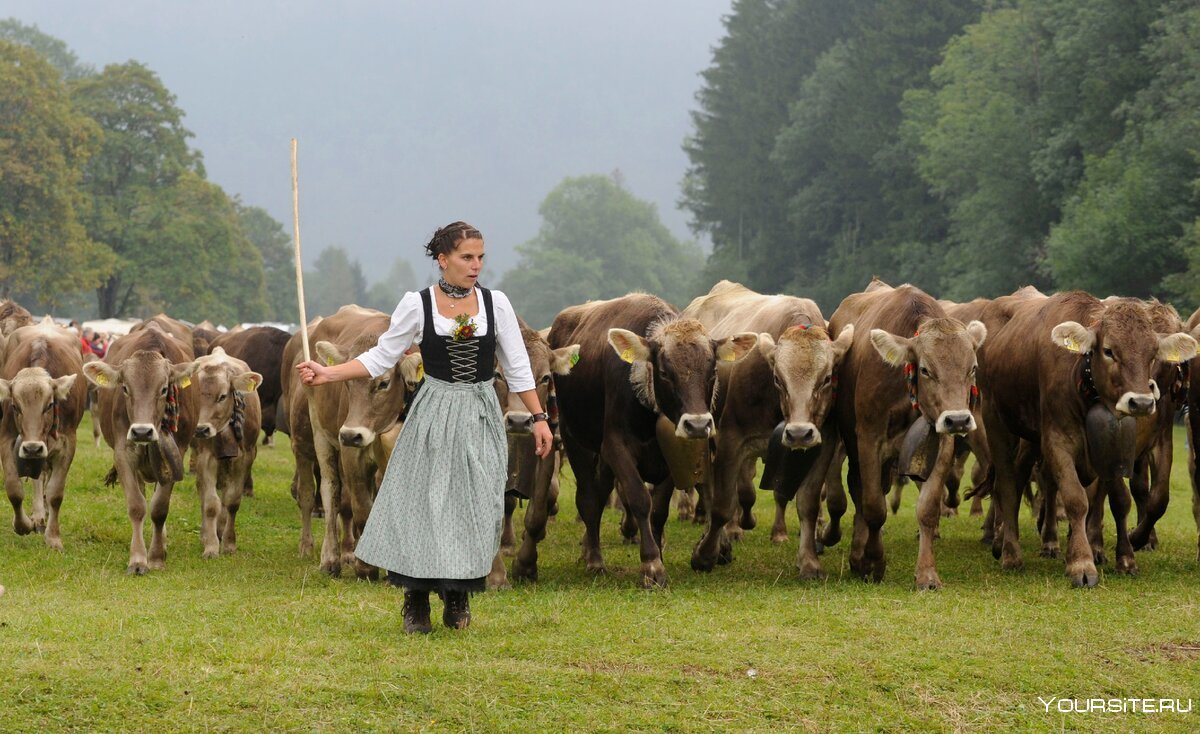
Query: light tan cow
point(42, 400)
point(228, 417)
point(147, 416)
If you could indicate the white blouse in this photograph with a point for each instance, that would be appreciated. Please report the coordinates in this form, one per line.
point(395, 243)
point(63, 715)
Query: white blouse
point(408, 322)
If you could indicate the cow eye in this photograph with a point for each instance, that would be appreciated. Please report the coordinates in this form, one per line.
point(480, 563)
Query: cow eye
point(16, 409)
point(974, 369)
point(383, 385)
point(48, 407)
point(545, 379)
point(1109, 353)
point(828, 379)
point(926, 373)
point(163, 392)
point(221, 397)
point(125, 389)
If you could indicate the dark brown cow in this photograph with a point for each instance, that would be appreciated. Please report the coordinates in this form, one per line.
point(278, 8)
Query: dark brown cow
point(42, 401)
point(637, 361)
point(147, 416)
point(529, 476)
point(261, 347)
point(1193, 422)
point(787, 379)
point(346, 419)
point(228, 418)
point(203, 336)
point(296, 424)
point(897, 333)
point(1058, 364)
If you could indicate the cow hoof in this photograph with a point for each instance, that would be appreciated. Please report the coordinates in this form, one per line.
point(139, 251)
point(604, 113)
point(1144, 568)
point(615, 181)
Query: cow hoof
point(725, 553)
point(654, 576)
point(831, 536)
point(333, 568)
point(214, 553)
point(1099, 557)
point(595, 569)
point(1085, 579)
point(778, 537)
point(157, 564)
point(39, 524)
point(22, 528)
point(1011, 563)
point(137, 569)
point(734, 533)
point(1049, 551)
point(498, 584)
point(521, 572)
point(748, 521)
point(949, 511)
point(306, 549)
point(812, 572)
point(508, 551)
point(1127, 565)
point(229, 549)
point(928, 582)
point(54, 544)
point(820, 547)
point(701, 564)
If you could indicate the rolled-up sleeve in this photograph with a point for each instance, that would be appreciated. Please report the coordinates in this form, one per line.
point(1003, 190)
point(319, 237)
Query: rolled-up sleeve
point(404, 331)
point(514, 360)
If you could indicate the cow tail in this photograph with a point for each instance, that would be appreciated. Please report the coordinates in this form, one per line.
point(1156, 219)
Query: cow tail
point(110, 479)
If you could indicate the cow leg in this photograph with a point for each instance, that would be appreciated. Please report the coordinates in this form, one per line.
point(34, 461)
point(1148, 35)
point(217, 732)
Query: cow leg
point(808, 507)
point(636, 499)
point(867, 558)
point(1047, 501)
point(1158, 494)
point(160, 503)
point(929, 513)
point(231, 498)
point(508, 539)
point(38, 512)
point(685, 504)
point(1081, 566)
point(629, 526)
point(497, 578)
point(331, 561)
point(15, 488)
point(747, 495)
point(302, 483)
point(1097, 493)
point(55, 487)
point(358, 474)
point(719, 499)
point(207, 469)
point(1120, 502)
point(591, 496)
point(779, 533)
point(1006, 499)
point(536, 515)
point(896, 496)
point(835, 495)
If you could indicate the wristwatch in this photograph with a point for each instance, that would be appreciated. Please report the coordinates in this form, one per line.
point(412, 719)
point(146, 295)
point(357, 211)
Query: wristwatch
point(541, 417)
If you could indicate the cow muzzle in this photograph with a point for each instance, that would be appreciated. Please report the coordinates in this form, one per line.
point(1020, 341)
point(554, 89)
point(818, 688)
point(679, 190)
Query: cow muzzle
point(1136, 404)
point(518, 423)
point(32, 450)
point(143, 433)
point(693, 425)
point(956, 422)
point(801, 436)
point(356, 437)
point(205, 430)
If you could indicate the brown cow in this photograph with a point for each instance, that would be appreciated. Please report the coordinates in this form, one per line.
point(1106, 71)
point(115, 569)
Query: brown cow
point(261, 347)
point(909, 362)
point(1058, 365)
point(228, 418)
point(42, 402)
point(1193, 422)
point(147, 416)
point(637, 361)
point(13, 316)
point(203, 336)
point(529, 476)
point(295, 423)
point(346, 420)
point(786, 380)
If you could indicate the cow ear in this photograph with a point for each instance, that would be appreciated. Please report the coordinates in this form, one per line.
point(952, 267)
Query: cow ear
point(181, 374)
point(1073, 337)
point(629, 346)
point(841, 345)
point(63, 385)
point(733, 348)
point(978, 332)
point(247, 381)
point(5, 389)
point(564, 358)
point(1176, 348)
point(102, 374)
point(412, 369)
point(766, 347)
point(329, 354)
point(895, 350)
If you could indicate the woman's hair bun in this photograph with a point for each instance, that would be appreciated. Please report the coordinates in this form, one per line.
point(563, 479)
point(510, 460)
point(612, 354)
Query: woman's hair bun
point(445, 239)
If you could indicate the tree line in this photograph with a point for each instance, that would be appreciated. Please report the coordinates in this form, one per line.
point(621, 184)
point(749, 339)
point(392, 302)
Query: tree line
point(105, 208)
point(969, 147)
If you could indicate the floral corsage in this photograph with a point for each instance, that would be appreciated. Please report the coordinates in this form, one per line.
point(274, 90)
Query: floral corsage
point(464, 328)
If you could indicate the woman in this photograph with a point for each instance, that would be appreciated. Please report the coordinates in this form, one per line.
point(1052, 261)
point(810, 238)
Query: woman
point(436, 523)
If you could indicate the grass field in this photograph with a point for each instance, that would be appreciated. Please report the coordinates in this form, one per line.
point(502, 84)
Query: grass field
point(262, 641)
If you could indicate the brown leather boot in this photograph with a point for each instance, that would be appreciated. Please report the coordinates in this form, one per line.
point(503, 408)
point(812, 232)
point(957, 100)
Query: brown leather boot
point(457, 612)
point(416, 613)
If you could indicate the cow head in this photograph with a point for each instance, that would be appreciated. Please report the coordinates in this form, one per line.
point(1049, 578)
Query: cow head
point(674, 370)
point(940, 364)
point(804, 363)
point(545, 363)
point(145, 379)
point(34, 397)
point(217, 379)
point(373, 404)
point(1124, 352)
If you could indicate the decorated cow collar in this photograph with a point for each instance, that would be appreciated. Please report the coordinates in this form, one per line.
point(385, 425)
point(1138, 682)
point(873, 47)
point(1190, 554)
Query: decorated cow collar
point(170, 420)
point(1087, 382)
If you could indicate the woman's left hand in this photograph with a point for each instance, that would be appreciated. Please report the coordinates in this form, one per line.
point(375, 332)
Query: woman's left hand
point(543, 440)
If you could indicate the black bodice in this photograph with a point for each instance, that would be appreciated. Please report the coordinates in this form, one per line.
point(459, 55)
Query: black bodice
point(470, 360)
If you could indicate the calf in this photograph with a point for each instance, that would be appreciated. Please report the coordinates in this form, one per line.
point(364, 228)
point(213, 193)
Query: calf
point(529, 476)
point(228, 417)
point(42, 402)
point(144, 410)
point(637, 361)
point(261, 347)
point(908, 362)
point(1057, 365)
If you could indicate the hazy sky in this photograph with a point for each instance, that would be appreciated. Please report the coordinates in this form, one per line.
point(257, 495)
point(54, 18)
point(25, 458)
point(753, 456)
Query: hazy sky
point(409, 114)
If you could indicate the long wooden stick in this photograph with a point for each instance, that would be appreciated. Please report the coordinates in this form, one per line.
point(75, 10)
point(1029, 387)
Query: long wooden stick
point(296, 240)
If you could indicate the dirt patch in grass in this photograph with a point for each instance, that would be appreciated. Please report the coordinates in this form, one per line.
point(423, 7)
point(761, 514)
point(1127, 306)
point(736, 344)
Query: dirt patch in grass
point(1173, 651)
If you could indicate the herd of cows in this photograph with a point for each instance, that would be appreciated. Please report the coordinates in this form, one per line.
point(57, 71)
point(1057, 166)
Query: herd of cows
point(1070, 394)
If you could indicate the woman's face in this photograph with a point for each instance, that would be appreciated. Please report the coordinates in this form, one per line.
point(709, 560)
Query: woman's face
point(461, 267)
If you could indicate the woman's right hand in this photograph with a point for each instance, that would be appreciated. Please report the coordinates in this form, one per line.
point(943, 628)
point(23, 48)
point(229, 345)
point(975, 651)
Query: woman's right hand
point(313, 373)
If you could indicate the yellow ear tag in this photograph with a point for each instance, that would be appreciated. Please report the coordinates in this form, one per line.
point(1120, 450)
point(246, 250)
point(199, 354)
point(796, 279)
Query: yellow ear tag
point(251, 386)
point(101, 379)
point(1174, 356)
point(891, 356)
point(420, 372)
point(727, 355)
point(185, 381)
point(1071, 344)
point(627, 355)
point(329, 361)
